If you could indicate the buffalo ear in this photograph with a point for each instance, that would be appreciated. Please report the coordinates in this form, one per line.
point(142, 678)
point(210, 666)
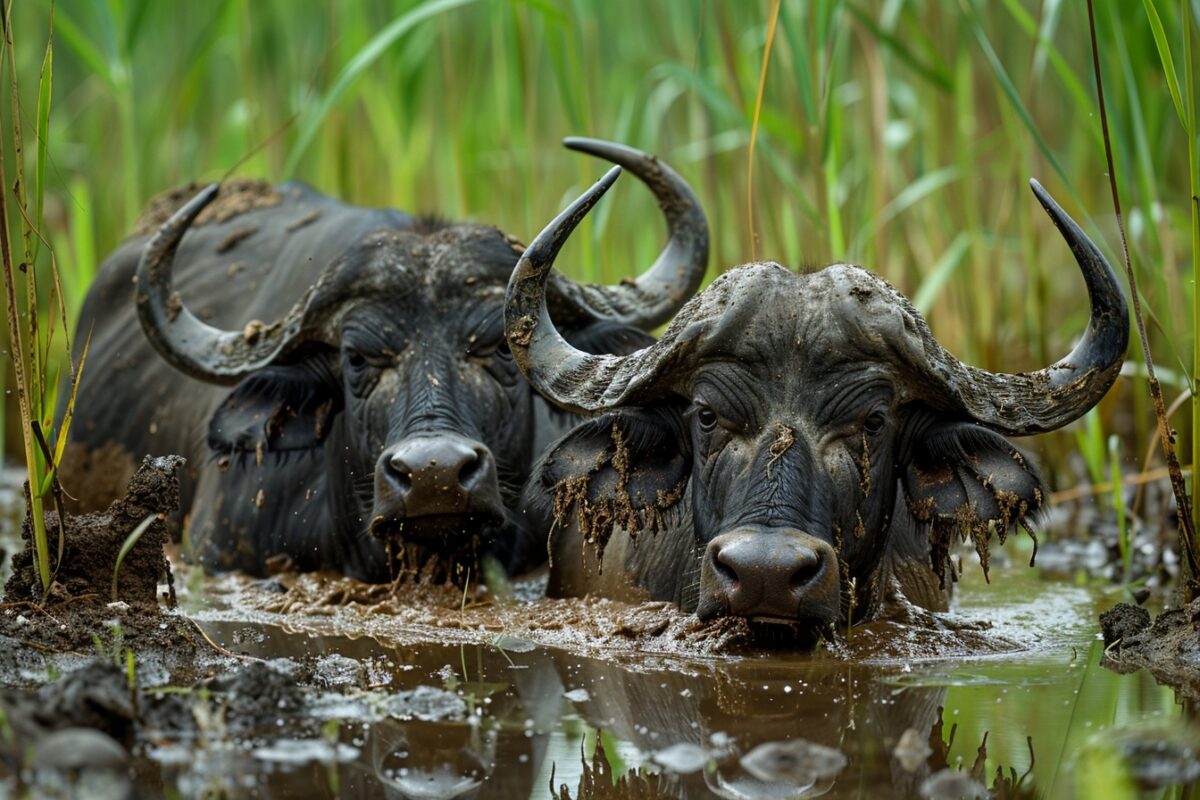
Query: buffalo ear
point(965, 480)
point(277, 410)
point(624, 469)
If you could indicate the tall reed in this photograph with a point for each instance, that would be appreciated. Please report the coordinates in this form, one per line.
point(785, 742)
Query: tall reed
point(896, 135)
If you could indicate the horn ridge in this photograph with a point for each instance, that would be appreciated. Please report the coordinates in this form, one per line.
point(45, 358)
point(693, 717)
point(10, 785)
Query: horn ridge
point(653, 297)
point(1028, 403)
point(196, 348)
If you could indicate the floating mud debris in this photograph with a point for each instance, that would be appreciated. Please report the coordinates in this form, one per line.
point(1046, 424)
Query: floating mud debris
point(1168, 648)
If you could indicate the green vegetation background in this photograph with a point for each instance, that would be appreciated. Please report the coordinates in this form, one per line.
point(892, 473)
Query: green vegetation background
point(897, 135)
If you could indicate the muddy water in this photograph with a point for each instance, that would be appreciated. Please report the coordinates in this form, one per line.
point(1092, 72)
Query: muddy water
point(507, 700)
point(413, 712)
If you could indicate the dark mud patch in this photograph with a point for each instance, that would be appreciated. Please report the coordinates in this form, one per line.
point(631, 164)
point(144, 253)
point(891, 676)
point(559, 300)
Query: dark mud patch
point(78, 616)
point(1168, 648)
point(91, 543)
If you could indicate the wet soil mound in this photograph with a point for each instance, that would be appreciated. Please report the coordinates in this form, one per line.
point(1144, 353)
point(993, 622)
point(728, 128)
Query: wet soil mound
point(91, 543)
point(1168, 647)
point(406, 614)
point(78, 614)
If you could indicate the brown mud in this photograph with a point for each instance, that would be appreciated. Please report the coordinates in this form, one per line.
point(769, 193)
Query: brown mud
point(236, 196)
point(1168, 648)
point(79, 614)
point(91, 542)
point(406, 613)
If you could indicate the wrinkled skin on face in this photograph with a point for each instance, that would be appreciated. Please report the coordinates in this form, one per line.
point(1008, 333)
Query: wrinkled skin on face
point(421, 374)
point(380, 424)
point(291, 460)
point(795, 450)
point(801, 443)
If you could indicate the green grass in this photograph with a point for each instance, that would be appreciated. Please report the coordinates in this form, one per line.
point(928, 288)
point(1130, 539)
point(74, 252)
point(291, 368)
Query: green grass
point(35, 315)
point(891, 134)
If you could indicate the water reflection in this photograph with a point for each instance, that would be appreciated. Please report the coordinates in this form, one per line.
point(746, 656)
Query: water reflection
point(768, 727)
point(509, 719)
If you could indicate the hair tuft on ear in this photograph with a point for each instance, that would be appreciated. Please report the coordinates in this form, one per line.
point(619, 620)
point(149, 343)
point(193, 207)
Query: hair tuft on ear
point(967, 482)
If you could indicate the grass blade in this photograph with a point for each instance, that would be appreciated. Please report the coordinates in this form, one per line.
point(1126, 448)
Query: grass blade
point(931, 287)
point(1164, 55)
point(45, 86)
point(1010, 91)
point(936, 77)
point(772, 24)
point(1189, 551)
point(359, 64)
point(126, 546)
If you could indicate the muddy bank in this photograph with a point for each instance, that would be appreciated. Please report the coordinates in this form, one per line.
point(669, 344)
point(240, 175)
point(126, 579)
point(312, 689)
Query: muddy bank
point(79, 616)
point(1168, 647)
point(91, 543)
point(91, 729)
point(404, 614)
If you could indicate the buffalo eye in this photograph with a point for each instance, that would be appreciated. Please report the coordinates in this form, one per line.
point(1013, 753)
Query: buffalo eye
point(361, 371)
point(707, 418)
point(488, 347)
point(874, 423)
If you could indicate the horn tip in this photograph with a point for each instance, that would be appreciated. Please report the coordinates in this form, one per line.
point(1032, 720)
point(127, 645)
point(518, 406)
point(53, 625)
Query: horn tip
point(609, 151)
point(610, 177)
point(1044, 197)
point(198, 203)
point(584, 144)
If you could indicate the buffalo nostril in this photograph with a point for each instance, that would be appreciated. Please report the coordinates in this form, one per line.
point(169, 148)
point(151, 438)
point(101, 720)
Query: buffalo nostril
point(470, 471)
point(726, 572)
point(808, 571)
point(400, 474)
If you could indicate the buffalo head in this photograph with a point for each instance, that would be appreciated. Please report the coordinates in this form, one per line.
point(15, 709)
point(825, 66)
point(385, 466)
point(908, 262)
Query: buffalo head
point(795, 435)
point(392, 371)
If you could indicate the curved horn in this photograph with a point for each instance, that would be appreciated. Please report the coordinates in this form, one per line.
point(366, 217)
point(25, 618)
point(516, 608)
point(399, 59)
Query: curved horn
point(191, 346)
point(654, 296)
point(569, 377)
point(1028, 403)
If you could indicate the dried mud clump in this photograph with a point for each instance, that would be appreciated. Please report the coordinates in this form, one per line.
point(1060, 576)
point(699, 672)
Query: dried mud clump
point(236, 197)
point(91, 543)
point(1169, 648)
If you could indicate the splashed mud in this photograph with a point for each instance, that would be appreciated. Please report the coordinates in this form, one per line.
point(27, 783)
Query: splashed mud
point(405, 613)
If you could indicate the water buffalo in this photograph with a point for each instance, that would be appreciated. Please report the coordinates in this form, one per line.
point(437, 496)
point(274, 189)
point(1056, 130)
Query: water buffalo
point(799, 445)
point(381, 408)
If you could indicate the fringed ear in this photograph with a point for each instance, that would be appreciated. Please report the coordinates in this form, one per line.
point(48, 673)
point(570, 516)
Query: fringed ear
point(277, 410)
point(623, 469)
point(963, 480)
